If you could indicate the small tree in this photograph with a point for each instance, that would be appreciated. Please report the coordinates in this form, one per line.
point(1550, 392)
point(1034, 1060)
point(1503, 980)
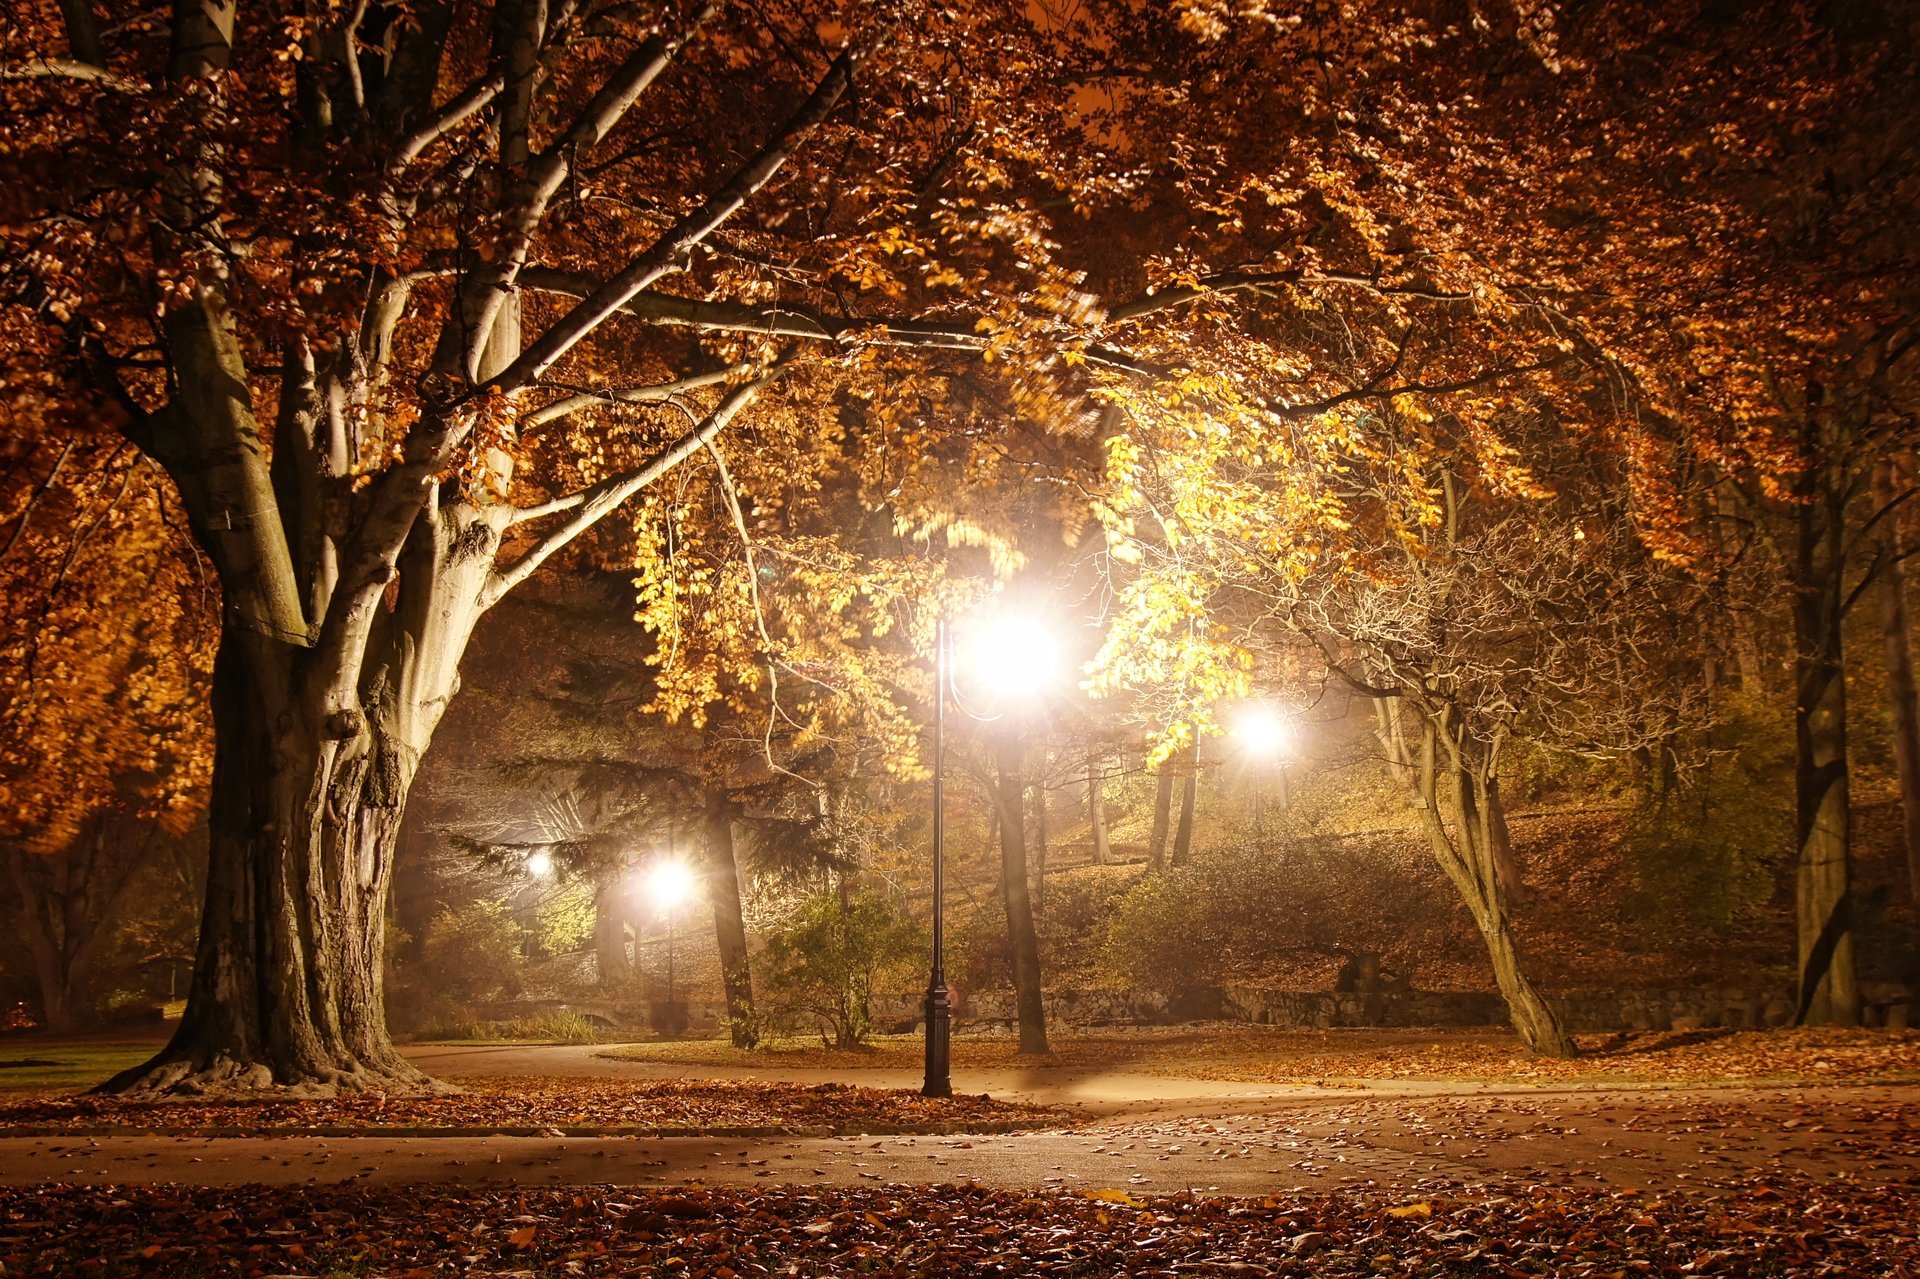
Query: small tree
point(826, 962)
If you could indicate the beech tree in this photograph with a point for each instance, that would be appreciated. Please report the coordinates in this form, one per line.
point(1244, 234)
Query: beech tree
point(407, 298)
point(346, 273)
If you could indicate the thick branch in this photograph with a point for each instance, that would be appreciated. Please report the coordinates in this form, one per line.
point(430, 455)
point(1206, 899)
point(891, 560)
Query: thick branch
point(669, 253)
point(596, 502)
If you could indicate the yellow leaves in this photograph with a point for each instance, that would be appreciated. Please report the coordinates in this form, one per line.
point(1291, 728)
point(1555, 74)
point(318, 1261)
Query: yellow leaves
point(1422, 1209)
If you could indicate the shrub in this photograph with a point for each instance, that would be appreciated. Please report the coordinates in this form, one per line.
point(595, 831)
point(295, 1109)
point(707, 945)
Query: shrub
point(1252, 909)
point(825, 963)
point(471, 952)
point(546, 1028)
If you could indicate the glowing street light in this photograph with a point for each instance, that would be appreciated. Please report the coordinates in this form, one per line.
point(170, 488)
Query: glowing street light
point(671, 883)
point(540, 864)
point(1014, 658)
point(1262, 732)
point(1009, 657)
point(1265, 736)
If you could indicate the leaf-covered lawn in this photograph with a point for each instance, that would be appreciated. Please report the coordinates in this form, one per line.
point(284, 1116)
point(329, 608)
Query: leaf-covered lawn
point(1784, 1229)
point(1265, 1054)
point(542, 1105)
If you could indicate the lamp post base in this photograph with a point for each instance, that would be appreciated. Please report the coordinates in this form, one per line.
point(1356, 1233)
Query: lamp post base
point(939, 1081)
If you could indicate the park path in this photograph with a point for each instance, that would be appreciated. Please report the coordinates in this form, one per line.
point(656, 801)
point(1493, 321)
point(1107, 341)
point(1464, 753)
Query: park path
point(1139, 1133)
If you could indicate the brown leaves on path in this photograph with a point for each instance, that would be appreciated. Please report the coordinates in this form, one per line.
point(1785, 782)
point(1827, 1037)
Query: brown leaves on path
point(1809, 1054)
point(1242, 1052)
point(559, 1106)
point(1779, 1230)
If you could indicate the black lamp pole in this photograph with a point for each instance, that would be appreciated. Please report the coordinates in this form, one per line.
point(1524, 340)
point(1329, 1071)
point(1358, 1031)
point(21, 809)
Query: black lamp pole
point(939, 1081)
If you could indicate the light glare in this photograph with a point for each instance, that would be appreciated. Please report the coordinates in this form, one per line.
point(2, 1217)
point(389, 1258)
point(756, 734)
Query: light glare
point(1010, 656)
point(1262, 733)
point(670, 884)
point(540, 864)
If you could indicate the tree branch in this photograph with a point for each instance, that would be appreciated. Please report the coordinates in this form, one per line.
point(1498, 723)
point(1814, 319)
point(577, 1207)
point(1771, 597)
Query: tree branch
point(658, 393)
point(670, 252)
point(595, 502)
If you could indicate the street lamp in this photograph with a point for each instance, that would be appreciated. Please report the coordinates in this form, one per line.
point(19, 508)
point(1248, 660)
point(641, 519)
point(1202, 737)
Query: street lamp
point(670, 884)
point(1264, 736)
point(1017, 657)
point(540, 864)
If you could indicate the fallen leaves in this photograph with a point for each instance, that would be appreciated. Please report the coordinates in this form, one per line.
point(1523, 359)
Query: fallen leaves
point(1337, 1057)
point(551, 1107)
point(948, 1230)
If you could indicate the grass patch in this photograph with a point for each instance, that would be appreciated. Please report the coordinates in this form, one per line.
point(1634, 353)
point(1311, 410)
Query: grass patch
point(47, 1065)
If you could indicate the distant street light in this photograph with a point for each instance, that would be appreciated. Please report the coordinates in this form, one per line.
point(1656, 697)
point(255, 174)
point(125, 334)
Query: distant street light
point(1264, 736)
point(1262, 733)
point(670, 884)
point(1011, 657)
point(540, 864)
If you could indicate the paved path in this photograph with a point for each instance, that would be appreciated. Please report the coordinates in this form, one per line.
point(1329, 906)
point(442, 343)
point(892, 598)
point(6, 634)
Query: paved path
point(1146, 1133)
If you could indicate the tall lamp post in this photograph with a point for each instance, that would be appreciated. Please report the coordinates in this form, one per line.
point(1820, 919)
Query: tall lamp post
point(1018, 655)
point(939, 1080)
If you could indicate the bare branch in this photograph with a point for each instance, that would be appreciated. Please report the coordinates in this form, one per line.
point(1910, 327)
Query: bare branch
point(596, 502)
point(782, 320)
point(69, 69)
point(657, 393)
point(475, 97)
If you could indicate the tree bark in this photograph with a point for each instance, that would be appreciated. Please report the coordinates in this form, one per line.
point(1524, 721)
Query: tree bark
point(1040, 832)
point(610, 932)
point(729, 926)
point(1897, 634)
point(1097, 813)
point(1443, 767)
point(1189, 795)
point(1162, 819)
point(1024, 942)
point(1829, 992)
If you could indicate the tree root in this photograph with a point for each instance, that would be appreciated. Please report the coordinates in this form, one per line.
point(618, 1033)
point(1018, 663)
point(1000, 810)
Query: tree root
point(221, 1077)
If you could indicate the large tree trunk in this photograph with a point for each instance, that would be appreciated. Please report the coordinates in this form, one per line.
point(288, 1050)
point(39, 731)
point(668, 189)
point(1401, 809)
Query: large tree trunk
point(729, 925)
point(1189, 796)
point(287, 984)
point(1829, 992)
point(1097, 813)
point(1030, 1008)
point(315, 752)
point(1897, 633)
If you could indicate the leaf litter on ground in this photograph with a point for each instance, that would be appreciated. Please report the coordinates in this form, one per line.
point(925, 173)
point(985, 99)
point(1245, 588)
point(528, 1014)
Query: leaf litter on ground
point(1784, 1228)
point(511, 1104)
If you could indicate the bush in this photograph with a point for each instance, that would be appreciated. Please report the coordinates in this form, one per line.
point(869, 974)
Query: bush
point(825, 963)
point(1070, 921)
point(471, 952)
point(1252, 909)
point(546, 1028)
